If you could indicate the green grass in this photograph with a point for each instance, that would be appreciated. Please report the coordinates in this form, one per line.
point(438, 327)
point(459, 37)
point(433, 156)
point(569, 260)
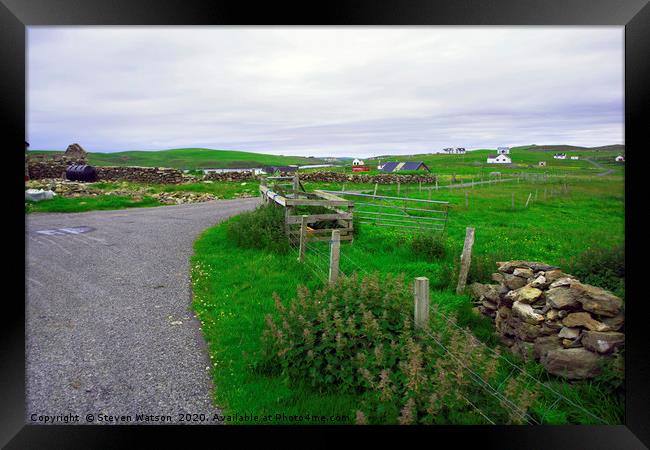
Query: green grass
point(82, 204)
point(191, 158)
point(233, 287)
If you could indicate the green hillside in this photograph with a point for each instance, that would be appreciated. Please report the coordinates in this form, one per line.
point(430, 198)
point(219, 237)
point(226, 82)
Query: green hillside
point(523, 158)
point(191, 158)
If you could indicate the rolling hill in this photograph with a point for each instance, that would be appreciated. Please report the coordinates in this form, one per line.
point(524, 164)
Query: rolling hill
point(191, 158)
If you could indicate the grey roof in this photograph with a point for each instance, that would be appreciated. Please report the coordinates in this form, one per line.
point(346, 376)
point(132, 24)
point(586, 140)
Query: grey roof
point(389, 166)
point(414, 166)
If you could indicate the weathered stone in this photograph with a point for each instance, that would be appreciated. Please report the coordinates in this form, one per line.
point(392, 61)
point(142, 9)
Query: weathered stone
point(524, 273)
point(486, 311)
point(525, 312)
point(553, 275)
point(563, 313)
point(510, 266)
point(552, 314)
point(583, 319)
point(489, 305)
point(526, 294)
point(615, 323)
point(505, 340)
point(513, 282)
point(544, 344)
point(597, 300)
point(498, 277)
point(602, 342)
point(476, 290)
point(539, 282)
point(75, 151)
point(562, 282)
point(572, 363)
point(551, 327)
point(561, 298)
point(526, 331)
point(569, 333)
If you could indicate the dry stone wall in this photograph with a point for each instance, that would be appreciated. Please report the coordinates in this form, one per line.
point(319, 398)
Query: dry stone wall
point(40, 167)
point(338, 177)
point(545, 314)
point(139, 174)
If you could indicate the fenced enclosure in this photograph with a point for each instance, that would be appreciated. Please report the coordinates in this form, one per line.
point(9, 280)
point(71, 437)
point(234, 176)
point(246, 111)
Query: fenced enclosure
point(399, 212)
point(309, 216)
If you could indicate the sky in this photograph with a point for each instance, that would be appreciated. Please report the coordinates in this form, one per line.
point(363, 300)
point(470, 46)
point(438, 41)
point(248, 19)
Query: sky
point(323, 91)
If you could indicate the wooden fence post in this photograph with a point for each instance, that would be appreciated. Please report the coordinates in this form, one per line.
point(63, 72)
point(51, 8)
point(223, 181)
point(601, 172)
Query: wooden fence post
point(303, 238)
point(296, 185)
point(465, 260)
point(529, 196)
point(335, 254)
point(421, 310)
point(375, 193)
point(398, 188)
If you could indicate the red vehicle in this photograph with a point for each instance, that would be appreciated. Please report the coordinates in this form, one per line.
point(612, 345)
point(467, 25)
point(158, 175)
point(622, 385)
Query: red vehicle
point(360, 169)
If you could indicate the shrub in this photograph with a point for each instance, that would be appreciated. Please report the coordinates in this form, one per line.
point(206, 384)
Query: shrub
point(430, 247)
point(357, 336)
point(602, 267)
point(262, 228)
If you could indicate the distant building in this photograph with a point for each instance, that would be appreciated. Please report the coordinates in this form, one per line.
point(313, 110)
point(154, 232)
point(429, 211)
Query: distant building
point(503, 150)
point(358, 162)
point(559, 156)
point(499, 159)
point(575, 157)
point(395, 166)
point(620, 158)
point(542, 164)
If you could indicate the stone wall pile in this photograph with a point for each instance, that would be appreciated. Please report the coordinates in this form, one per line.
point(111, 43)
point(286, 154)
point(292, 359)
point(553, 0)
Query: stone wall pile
point(339, 177)
point(545, 314)
point(40, 167)
point(139, 174)
point(230, 176)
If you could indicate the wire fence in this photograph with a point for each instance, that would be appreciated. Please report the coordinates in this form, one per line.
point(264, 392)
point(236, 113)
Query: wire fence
point(317, 261)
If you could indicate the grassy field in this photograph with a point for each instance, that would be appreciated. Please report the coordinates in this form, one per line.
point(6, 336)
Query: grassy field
point(191, 158)
point(82, 204)
point(232, 299)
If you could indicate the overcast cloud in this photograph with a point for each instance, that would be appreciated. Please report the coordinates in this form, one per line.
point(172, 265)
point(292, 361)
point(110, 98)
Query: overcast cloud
point(354, 91)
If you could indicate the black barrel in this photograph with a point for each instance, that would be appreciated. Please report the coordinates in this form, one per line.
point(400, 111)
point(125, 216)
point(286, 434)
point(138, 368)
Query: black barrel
point(81, 172)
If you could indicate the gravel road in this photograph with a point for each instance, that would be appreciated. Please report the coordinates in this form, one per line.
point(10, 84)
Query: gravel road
point(109, 328)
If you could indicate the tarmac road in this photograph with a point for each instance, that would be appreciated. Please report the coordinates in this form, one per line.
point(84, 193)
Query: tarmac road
point(109, 329)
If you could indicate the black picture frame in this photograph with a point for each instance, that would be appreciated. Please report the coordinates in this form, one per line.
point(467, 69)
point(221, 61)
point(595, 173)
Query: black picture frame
point(15, 15)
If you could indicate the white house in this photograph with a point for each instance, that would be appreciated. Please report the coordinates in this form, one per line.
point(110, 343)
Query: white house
point(542, 163)
point(620, 158)
point(559, 156)
point(499, 159)
point(503, 150)
point(358, 162)
point(575, 157)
